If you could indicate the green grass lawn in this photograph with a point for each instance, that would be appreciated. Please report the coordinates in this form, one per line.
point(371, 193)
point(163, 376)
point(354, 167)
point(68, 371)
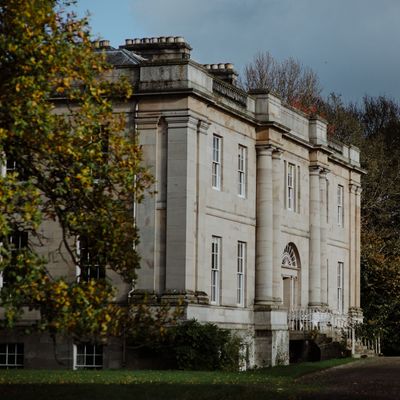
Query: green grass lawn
point(269, 383)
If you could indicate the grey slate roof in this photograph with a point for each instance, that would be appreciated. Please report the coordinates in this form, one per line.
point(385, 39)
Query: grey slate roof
point(122, 57)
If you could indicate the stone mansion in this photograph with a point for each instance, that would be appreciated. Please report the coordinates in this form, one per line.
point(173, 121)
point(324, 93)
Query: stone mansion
point(255, 218)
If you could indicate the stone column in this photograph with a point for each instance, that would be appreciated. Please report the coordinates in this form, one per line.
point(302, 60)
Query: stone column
point(323, 230)
point(358, 246)
point(264, 232)
point(315, 239)
point(278, 181)
point(352, 287)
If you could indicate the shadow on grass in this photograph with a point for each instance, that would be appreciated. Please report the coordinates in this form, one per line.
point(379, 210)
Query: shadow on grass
point(140, 391)
point(270, 383)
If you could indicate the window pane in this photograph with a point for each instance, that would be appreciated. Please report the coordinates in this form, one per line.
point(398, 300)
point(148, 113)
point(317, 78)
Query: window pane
point(99, 359)
point(216, 162)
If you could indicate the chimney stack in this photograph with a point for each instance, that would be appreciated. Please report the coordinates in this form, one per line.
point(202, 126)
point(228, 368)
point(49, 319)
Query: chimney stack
point(159, 48)
point(223, 71)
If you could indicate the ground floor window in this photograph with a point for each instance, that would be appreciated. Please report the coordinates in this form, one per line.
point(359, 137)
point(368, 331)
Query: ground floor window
point(88, 356)
point(215, 269)
point(11, 355)
point(241, 265)
point(340, 284)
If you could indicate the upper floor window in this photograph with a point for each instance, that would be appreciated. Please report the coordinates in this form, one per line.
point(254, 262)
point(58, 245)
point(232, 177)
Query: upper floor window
point(100, 140)
point(10, 166)
point(217, 162)
point(241, 268)
point(340, 209)
point(90, 266)
point(242, 173)
point(215, 268)
point(292, 187)
point(327, 201)
point(16, 241)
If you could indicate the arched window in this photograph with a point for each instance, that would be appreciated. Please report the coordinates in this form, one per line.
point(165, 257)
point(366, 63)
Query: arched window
point(291, 276)
point(290, 257)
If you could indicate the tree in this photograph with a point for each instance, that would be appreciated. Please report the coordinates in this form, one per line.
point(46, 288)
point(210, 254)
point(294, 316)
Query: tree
point(374, 126)
point(379, 119)
point(80, 169)
point(297, 85)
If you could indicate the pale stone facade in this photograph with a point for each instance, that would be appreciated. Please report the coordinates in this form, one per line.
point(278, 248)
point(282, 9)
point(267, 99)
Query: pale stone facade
point(183, 109)
point(256, 213)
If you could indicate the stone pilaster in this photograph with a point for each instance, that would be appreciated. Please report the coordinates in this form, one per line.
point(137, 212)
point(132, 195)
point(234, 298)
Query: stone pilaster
point(181, 199)
point(150, 276)
point(323, 233)
point(202, 173)
point(264, 232)
point(315, 238)
point(277, 167)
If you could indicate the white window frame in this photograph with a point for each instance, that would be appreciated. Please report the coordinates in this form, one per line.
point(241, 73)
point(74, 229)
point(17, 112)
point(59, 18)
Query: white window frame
point(291, 187)
point(340, 287)
point(17, 247)
point(9, 166)
point(216, 244)
point(292, 290)
point(12, 353)
point(327, 201)
point(340, 205)
point(241, 272)
point(97, 266)
point(217, 162)
point(242, 171)
point(96, 351)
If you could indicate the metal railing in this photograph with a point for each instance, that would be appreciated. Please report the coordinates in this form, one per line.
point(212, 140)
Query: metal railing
point(339, 327)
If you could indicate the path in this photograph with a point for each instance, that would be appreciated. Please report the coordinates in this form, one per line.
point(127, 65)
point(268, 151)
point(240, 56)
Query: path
point(373, 378)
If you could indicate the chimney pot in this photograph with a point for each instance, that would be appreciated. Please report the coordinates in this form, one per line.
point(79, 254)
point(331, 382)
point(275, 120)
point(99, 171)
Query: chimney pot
point(214, 66)
point(229, 66)
point(221, 66)
point(158, 48)
point(104, 43)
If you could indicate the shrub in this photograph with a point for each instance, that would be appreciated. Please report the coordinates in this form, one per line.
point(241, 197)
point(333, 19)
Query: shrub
point(198, 346)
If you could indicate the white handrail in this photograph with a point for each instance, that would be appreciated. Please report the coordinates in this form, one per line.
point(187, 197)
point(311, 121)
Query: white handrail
point(337, 326)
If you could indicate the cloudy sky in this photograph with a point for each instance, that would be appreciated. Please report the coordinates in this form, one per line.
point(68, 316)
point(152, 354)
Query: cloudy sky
point(353, 45)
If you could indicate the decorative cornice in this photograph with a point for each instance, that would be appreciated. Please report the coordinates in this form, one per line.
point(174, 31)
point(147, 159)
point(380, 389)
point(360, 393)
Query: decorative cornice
point(272, 150)
point(277, 153)
point(316, 169)
point(203, 126)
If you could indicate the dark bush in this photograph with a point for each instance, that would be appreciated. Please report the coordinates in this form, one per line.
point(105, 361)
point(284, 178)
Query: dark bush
point(204, 347)
point(188, 345)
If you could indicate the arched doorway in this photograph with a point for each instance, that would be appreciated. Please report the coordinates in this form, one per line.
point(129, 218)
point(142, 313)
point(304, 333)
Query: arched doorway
point(291, 276)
